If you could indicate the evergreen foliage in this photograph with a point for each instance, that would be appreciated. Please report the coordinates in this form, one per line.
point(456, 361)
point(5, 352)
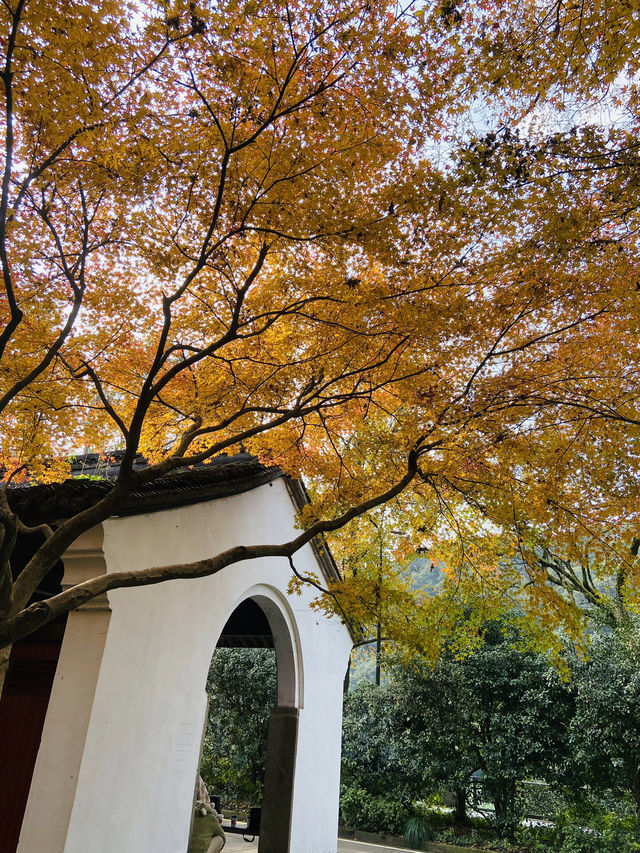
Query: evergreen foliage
point(242, 689)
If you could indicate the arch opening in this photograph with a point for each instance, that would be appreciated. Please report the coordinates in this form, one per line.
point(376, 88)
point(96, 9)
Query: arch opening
point(250, 739)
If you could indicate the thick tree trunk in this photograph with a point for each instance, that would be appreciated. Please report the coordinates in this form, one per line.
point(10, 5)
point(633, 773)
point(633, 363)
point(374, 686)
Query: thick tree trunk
point(460, 813)
point(504, 801)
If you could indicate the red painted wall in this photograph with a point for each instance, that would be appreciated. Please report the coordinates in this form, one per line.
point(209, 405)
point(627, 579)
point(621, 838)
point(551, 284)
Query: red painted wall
point(23, 707)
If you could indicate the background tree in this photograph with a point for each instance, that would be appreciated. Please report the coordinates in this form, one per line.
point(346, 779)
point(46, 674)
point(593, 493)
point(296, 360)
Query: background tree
point(502, 710)
point(503, 707)
point(604, 729)
point(242, 689)
point(370, 756)
point(377, 788)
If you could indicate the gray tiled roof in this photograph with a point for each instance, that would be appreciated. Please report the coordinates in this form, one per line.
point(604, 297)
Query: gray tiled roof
point(93, 476)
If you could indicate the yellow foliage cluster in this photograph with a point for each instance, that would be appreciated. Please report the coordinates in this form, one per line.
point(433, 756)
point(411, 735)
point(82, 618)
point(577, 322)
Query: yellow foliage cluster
point(273, 226)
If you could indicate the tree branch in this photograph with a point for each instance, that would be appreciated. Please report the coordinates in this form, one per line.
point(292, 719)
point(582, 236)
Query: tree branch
point(7, 78)
point(42, 612)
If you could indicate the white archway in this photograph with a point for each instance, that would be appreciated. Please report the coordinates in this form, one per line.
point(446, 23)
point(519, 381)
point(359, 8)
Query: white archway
point(282, 737)
point(286, 642)
point(135, 707)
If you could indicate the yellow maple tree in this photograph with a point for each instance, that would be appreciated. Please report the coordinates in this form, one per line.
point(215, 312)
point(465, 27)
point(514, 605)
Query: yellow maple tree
point(267, 225)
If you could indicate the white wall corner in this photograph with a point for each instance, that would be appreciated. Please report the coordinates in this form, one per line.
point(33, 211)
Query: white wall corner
point(83, 560)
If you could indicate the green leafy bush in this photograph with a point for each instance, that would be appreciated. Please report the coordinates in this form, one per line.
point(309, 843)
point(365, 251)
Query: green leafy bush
point(436, 818)
point(476, 838)
point(372, 812)
point(608, 833)
point(539, 799)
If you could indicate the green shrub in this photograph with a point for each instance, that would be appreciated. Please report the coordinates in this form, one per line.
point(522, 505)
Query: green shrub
point(436, 818)
point(372, 812)
point(477, 838)
point(417, 832)
point(607, 833)
point(539, 799)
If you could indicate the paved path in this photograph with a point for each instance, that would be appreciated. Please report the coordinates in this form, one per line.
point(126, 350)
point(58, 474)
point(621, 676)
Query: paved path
point(235, 844)
point(345, 846)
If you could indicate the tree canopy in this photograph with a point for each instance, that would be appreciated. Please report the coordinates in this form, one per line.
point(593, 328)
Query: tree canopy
point(604, 728)
point(501, 726)
point(242, 687)
point(373, 243)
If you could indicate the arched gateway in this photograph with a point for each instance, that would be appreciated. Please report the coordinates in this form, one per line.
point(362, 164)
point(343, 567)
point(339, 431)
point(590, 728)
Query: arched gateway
point(121, 740)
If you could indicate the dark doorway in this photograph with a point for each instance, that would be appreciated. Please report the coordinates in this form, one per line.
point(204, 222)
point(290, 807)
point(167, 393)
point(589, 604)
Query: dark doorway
point(24, 701)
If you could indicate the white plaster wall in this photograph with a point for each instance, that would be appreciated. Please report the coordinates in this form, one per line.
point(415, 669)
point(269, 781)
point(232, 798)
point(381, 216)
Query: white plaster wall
point(326, 647)
point(136, 780)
